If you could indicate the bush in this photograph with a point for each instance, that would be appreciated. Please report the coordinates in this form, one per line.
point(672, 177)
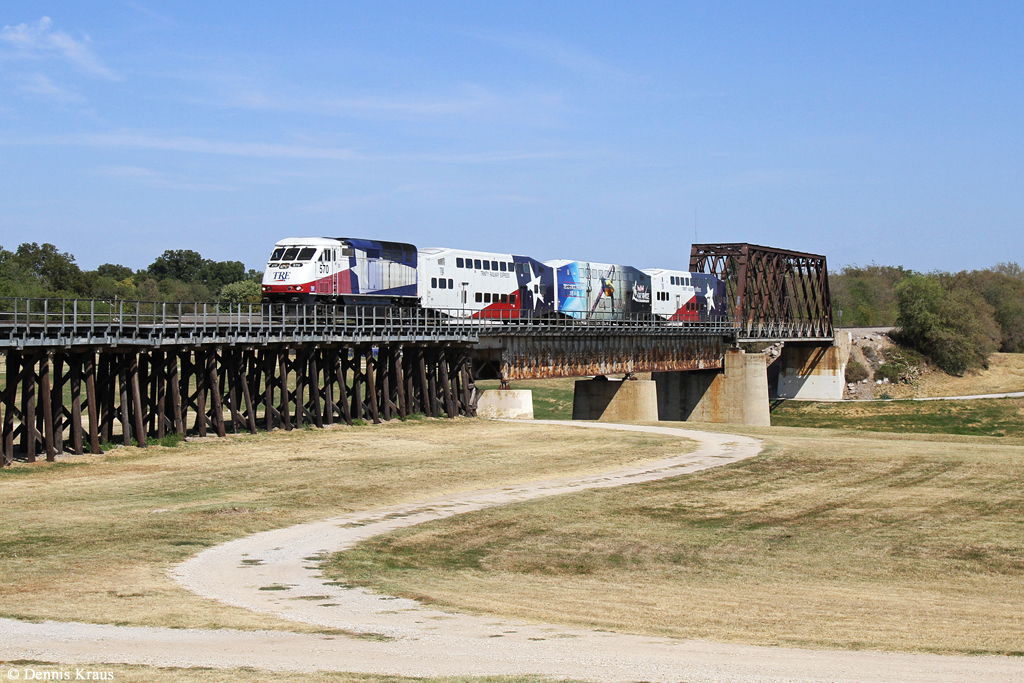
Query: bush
point(948, 322)
point(244, 292)
point(856, 371)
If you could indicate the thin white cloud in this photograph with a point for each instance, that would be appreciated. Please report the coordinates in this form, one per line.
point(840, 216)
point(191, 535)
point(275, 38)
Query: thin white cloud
point(40, 40)
point(153, 178)
point(39, 84)
point(561, 54)
point(202, 146)
point(132, 140)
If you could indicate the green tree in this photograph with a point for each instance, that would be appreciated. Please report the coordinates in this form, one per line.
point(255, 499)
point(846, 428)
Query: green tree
point(115, 271)
point(866, 294)
point(184, 265)
point(950, 323)
point(56, 269)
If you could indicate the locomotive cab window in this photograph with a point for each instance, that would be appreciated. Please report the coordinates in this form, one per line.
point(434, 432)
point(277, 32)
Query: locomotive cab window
point(348, 251)
point(278, 253)
point(290, 254)
point(307, 253)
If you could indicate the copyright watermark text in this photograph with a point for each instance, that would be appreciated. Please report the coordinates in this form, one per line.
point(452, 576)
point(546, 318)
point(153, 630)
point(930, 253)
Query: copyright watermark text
point(26, 673)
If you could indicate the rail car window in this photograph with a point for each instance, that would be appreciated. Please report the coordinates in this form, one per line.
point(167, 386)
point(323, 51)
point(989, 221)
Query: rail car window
point(504, 297)
point(476, 264)
point(451, 284)
point(460, 263)
point(511, 298)
point(479, 297)
point(495, 298)
point(348, 251)
point(444, 283)
point(433, 283)
point(487, 297)
point(511, 267)
point(487, 265)
point(494, 265)
point(502, 266)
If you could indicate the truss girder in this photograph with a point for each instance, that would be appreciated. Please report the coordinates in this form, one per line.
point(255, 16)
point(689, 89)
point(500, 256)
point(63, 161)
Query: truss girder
point(775, 293)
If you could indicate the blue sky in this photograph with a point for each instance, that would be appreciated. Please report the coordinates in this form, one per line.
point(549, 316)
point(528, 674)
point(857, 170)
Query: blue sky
point(887, 132)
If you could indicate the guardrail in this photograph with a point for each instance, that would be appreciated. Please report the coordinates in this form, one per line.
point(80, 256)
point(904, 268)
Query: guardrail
point(78, 322)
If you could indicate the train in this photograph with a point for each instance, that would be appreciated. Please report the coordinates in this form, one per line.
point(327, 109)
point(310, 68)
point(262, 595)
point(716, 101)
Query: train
point(475, 284)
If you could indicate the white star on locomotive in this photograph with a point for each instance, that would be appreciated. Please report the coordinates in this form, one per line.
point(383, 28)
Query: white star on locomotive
point(710, 297)
point(534, 287)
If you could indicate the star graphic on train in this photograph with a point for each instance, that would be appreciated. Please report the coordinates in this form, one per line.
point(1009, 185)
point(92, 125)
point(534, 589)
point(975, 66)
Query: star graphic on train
point(534, 287)
point(710, 297)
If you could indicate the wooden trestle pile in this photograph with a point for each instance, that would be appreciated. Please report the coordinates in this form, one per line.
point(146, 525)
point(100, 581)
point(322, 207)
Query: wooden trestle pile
point(57, 401)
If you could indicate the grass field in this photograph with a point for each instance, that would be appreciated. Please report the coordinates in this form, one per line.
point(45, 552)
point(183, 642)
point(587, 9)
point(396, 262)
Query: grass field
point(91, 538)
point(981, 417)
point(829, 539)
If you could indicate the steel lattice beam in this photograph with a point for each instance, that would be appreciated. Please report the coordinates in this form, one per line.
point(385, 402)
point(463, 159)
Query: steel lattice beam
point(776, 293)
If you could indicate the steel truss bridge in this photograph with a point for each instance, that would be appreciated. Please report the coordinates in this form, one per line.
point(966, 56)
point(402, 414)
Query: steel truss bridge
point(80, 373)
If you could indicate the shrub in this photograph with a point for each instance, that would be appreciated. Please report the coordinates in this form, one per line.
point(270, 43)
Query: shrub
point(948, 322)
point(244, 292)
point(856, 371)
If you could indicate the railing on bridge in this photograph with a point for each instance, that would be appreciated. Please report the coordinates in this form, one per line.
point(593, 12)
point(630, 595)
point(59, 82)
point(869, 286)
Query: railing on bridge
point(28, 323)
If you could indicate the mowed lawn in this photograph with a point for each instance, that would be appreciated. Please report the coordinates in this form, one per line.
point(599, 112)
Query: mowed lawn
point(981, 417)
point(91, 538)
point(828, 539)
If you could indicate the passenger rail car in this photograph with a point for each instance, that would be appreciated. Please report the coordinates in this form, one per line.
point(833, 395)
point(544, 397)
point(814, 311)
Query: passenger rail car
point(683, 296)
point(476, 284)
point(601, 291)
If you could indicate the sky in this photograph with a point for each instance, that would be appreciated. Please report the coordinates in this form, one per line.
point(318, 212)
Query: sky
point(886, 132)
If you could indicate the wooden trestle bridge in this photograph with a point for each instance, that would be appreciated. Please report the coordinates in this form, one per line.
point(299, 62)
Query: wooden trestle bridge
point(80, 374)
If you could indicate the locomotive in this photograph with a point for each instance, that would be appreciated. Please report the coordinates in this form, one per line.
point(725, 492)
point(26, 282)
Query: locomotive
point(475, 284)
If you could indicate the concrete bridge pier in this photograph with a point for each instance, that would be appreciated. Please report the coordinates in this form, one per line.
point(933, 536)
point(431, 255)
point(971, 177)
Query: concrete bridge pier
point(615, 400)
point(813, 371)
point(736, 394)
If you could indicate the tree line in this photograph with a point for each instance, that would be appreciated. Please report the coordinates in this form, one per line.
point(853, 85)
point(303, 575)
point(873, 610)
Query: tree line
point(35, 270)
point(956, 319)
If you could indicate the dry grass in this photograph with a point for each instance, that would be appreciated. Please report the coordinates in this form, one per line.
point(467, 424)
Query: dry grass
point(829, 539)
point(154, 674)
point(1005, 374)
point(91, 539)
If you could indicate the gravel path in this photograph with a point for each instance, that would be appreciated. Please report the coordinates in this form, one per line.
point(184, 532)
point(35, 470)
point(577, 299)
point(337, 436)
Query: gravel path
point(401, 637)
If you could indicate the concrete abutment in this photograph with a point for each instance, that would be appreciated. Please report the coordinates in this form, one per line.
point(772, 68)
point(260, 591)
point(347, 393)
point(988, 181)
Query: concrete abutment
point(812, 371)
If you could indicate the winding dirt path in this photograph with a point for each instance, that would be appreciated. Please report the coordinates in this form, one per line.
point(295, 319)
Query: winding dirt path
point(406, 638)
